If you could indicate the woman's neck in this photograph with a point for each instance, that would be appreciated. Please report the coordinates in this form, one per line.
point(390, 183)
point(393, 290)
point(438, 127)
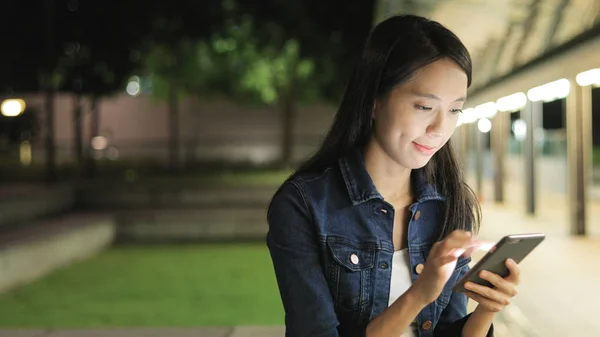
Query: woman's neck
point(391, 180)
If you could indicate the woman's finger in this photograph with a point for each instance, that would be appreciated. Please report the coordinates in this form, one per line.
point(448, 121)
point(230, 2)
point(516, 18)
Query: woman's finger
point(489, 293)
point(501, 284)
point(515, 271)
point(485, 302)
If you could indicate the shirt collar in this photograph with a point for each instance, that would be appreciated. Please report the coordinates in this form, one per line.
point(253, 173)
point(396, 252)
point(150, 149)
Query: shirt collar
point(361, 188)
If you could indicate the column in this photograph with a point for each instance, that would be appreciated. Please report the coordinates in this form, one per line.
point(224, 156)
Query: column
point(479, 148)
point(499, 137)
point(531, 113)
point(579, 150)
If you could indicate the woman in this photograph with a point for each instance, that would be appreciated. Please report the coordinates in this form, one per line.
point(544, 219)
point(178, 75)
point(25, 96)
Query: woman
point(369, 235)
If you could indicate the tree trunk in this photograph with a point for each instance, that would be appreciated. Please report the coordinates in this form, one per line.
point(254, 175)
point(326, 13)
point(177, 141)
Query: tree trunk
point(50, 175)
point(287, 141)
point(78, 132)
point(50, 172)
point(173, 130)
point(94, 131)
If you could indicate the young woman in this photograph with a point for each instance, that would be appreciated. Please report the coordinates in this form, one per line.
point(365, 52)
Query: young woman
point(369, 235)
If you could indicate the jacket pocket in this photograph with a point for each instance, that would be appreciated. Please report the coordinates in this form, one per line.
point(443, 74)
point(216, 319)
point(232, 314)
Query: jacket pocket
point(349, 271)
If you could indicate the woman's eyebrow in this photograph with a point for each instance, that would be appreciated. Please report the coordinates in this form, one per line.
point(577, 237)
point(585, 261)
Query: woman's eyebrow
point(425, 95)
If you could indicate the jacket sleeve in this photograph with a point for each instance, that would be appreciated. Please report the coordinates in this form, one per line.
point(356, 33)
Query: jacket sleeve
point(454, 316)
point(293, 245)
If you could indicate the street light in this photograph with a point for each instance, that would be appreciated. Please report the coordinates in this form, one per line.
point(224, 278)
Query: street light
point(486, 110)
point(512, 103)
point(550, 91)
point(12, 107)
point(590, 77)
point(484, 125)
point(468, 116)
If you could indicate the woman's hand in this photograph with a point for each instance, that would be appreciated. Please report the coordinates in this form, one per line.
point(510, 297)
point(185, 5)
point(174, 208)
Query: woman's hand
point(495, 299)
point(441, 263)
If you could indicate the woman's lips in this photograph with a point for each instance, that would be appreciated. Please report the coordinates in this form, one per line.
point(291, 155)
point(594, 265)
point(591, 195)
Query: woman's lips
point(424, 148)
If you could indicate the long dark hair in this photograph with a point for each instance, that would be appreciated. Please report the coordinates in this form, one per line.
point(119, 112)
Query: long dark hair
point(395, 49)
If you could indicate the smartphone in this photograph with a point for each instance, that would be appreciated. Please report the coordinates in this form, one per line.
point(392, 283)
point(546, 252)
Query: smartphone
point(516, 247)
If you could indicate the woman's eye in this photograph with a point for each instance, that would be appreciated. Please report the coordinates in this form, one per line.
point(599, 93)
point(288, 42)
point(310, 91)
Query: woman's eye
point(423, 108)
point(456, 111)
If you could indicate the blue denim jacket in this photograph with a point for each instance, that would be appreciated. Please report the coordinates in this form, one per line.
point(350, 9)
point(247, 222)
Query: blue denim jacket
point(318, 222)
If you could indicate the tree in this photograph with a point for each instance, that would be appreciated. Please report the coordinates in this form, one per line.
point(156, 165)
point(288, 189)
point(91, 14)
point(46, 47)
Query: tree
point(169, 55)
point(284, 56)
point(172, 70)
point(233, 63)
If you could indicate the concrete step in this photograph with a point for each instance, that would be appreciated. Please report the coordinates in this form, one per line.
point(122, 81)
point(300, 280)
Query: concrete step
point(32, 251)
point(176, 225)
point(20, 205)
point(193, 197)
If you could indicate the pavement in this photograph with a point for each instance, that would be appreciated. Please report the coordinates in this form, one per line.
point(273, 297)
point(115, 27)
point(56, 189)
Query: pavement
point(558, 293)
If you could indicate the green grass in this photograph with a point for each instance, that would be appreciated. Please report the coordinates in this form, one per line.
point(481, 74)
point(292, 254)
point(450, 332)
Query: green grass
point(224, 177)
point(167, 286)
point(153, 177)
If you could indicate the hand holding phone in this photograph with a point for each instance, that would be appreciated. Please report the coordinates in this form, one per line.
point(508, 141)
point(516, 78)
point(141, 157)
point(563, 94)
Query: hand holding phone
point(515, 247)
point(493, 281)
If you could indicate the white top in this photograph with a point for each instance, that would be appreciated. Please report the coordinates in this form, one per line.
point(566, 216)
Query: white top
point(401, 281)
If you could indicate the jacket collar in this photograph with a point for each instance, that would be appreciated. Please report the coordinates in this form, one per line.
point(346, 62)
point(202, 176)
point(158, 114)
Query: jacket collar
point(361, 188)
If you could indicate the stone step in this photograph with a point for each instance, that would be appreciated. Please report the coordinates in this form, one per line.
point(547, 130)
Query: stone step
point(35, 250)
point(132, 198)
point(174, 225)
point(21, 205)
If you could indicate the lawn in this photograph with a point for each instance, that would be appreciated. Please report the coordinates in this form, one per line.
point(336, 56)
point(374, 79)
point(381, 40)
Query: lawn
point(150, 286)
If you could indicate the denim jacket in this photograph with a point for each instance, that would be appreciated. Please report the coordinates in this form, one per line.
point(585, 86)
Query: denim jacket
point(330, 239)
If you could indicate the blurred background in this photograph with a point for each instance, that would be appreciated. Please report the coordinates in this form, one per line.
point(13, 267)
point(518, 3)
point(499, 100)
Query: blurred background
point(140, 143)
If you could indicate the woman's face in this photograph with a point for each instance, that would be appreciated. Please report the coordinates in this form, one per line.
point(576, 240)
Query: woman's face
point(418, 117)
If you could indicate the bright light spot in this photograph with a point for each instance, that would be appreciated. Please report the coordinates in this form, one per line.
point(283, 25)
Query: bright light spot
point(133, 88)
point(25, 153)
point(486, 110)
point(550, 91)
point(461, 119)
point(484, 125)
point(468, 116)
point(512, 103)
point(519, 128)
point(99, 143)
point(112, 153)
point(590, 77)
point(12, 107)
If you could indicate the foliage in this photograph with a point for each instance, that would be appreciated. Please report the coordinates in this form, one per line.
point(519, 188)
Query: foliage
point(234, 64)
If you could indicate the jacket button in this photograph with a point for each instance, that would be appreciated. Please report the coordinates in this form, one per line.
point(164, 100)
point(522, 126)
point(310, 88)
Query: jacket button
point(384, 211)
point(354, 259)
point(383, 265)
point(426, 325)
point(417, 215)
point(419, 268)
